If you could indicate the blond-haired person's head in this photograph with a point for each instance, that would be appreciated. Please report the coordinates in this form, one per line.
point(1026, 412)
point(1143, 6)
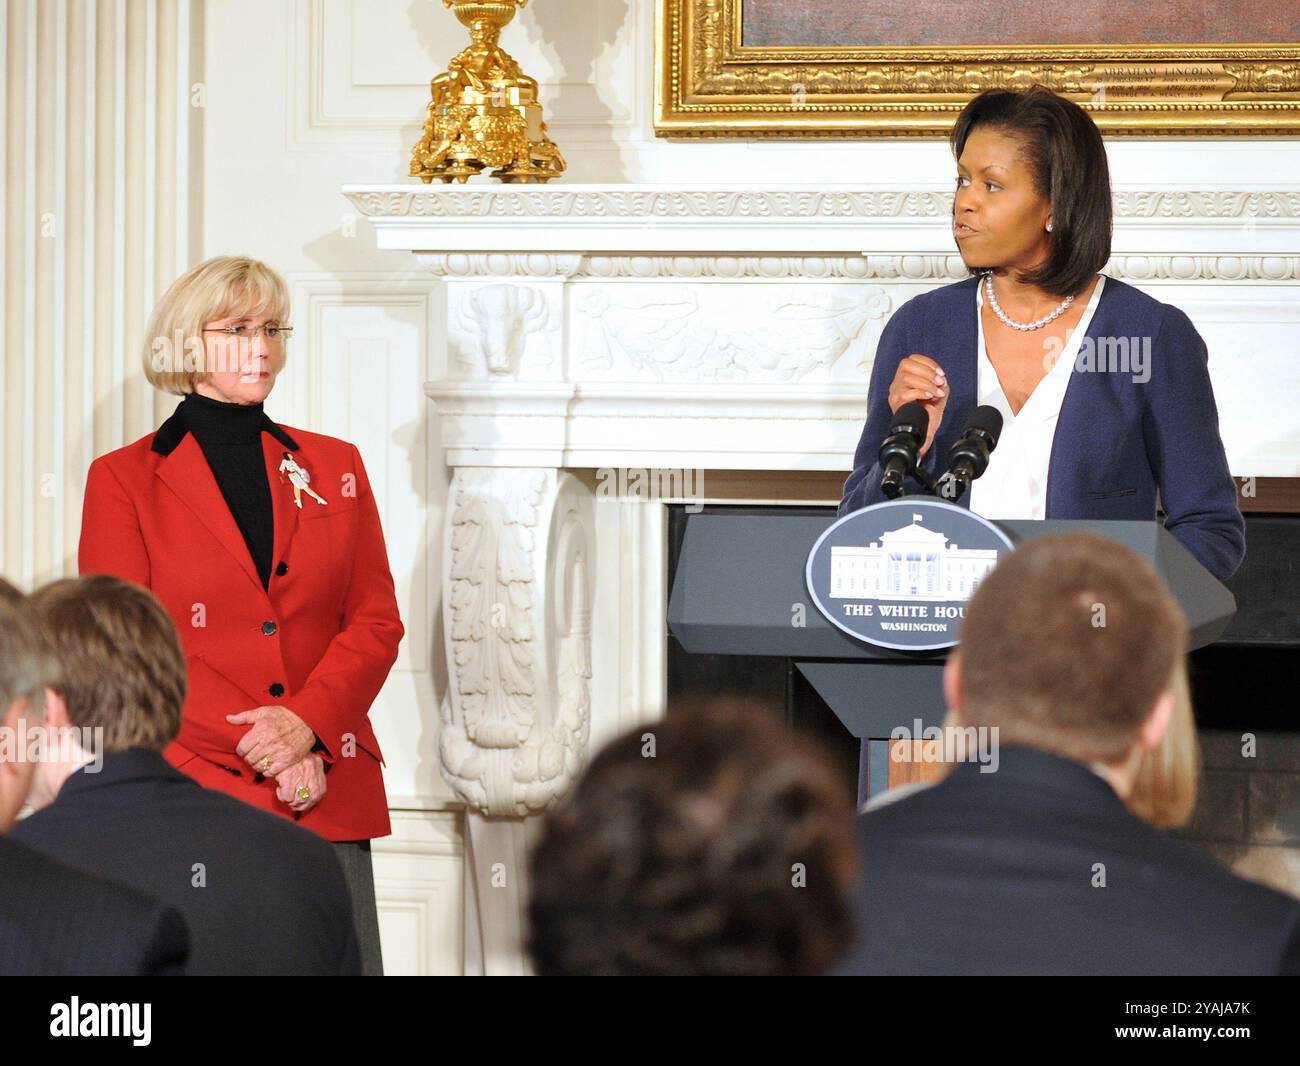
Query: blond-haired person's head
point(1164, 788)
point(118, 670)
point(220, 330)
point(1072, 645)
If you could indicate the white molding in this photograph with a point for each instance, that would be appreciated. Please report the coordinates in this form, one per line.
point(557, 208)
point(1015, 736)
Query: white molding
point(419, 890)
point(313, 290)
point(802, 220)
point(422, 804)
point(1257, 269)
point(744, 427)
point(438, 833)
point(577, 204)
point(855, 266)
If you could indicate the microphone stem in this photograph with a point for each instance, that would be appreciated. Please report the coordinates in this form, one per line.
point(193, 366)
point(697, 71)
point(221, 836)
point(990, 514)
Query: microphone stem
point(925, 478)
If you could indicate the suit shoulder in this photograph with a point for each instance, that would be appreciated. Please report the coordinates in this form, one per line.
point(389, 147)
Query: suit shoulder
point(129, 457)
point(318, 442)
point(32, 869)
point(49, 889)
point(1182, 869)
point(1169, 328)
point(906, 800)
point(1190, 865)
point(1131, 295)
point(30, 831)
point(1134, 305)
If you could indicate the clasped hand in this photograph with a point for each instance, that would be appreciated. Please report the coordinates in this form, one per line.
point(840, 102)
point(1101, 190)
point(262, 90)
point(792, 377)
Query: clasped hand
point(279, 745)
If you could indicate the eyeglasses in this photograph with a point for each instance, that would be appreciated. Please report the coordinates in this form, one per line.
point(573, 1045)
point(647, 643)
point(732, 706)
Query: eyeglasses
point(270, 332)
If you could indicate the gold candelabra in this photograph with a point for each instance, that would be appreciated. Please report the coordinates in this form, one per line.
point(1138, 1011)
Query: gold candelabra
point(484, 112)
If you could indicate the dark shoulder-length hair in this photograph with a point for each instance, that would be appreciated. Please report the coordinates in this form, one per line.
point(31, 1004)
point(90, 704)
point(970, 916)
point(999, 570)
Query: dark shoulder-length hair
point(1064, 150)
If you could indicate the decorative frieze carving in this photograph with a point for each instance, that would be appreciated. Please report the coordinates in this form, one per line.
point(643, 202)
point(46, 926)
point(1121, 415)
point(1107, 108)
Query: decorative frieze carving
point(835, 267)
point(666, 332)
point(635, 202)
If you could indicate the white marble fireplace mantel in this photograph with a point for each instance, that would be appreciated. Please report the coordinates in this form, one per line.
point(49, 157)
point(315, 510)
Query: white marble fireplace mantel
point(722, 330)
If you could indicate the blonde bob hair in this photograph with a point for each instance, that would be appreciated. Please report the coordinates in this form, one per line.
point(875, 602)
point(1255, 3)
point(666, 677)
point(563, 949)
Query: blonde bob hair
point(1164, 790)
point(226, 286)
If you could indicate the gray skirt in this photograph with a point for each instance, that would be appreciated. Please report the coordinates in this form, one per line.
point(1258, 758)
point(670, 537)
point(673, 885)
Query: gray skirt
point(359, 873)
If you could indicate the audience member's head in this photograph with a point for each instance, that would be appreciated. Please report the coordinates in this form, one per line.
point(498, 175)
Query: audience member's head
point(716, 841)
point(25, 670)
point(118, 668)
point(1072, 645)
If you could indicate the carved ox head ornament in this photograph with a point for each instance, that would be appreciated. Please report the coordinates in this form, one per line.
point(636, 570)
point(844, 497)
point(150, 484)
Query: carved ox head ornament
point(502, 316)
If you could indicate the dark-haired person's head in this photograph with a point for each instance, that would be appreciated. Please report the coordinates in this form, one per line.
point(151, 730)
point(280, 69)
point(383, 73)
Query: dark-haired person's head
point(10, 594)
point(1072, 645)
point(25, 671)
point(714, 842)
point(1026, 160)
point(118, 672)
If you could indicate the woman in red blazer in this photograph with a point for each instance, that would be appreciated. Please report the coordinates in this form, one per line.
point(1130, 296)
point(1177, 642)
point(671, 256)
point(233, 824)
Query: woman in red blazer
point(264, 545)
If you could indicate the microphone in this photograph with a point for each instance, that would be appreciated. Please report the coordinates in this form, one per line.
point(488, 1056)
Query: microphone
point(898, 451)
point(969, 457)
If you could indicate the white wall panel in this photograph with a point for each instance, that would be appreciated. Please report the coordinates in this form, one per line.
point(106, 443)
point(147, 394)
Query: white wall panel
point(418, 874)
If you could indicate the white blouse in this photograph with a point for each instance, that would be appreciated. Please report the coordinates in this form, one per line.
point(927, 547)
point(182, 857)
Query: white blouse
point(1015, 483)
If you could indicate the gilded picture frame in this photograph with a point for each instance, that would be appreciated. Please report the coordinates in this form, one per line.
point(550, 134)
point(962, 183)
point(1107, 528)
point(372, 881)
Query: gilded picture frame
point(708, 83)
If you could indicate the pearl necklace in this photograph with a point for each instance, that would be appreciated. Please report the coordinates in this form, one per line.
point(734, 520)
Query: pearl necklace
point(1022, 326)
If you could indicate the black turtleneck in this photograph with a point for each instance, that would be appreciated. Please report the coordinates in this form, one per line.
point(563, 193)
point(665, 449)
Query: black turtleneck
point(230, 435)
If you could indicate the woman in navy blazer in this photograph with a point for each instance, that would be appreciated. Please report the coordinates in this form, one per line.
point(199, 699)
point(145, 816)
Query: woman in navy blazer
point(1032, 218)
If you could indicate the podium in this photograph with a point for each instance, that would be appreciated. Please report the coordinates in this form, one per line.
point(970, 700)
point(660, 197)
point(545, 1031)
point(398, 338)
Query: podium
point(739, 590)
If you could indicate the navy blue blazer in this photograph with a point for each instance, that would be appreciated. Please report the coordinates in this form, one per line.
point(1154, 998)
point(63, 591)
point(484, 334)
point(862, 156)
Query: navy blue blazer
point(273, 900)
point(993, 874)
point(1118, 442)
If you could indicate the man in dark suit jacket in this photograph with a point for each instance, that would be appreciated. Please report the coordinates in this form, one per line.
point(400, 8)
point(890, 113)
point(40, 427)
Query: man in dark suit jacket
point(1041, 866)
point(56, 921)
point(261, 895)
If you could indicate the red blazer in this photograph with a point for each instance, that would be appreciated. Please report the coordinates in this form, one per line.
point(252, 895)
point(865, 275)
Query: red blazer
point(319, 641)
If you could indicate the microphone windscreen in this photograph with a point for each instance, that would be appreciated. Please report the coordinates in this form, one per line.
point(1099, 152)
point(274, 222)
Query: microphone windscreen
point(912, 416)
point(989, 420)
